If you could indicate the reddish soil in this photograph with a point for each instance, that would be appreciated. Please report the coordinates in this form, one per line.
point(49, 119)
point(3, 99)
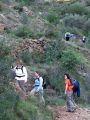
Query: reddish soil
point(61, 114)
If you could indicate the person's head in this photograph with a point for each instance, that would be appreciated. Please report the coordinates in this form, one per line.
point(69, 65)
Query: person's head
point(66, 76)
point(36, 75)
point(19, 62)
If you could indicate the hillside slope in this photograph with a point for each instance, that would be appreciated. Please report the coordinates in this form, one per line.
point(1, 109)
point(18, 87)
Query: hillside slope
point(34, 31)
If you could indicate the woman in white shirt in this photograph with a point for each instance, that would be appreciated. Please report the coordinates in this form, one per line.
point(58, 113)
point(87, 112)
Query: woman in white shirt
point(20, 74)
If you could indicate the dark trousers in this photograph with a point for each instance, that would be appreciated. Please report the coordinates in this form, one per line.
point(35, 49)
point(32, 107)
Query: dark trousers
point(67, 38)
point(70, 101)
point(21, 84)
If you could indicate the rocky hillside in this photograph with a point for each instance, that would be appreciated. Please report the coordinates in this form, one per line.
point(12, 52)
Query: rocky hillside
point(34, 31)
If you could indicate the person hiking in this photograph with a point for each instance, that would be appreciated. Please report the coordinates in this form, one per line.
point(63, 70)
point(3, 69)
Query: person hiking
point(38, 87)
point(20, 75)
point(83, 39)
point(69, 93)
point(67, 36)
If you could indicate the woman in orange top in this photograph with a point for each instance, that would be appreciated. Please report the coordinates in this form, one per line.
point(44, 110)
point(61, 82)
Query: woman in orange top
point(69, 93)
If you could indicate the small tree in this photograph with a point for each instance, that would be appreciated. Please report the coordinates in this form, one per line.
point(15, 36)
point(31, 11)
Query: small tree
point(69, 60)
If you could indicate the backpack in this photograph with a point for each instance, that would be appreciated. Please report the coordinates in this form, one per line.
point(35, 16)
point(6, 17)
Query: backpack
point(44, 84)
point(76, 87)
point(20, 68)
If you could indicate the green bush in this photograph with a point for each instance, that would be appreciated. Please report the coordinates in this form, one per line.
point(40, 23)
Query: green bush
point(51, 33)
point(88, 13)
point(87, 26)
point(72, 8)
point(8, 101)
point(38, 57)
point(24, 32)
point(39, 34)
point(55, 78)
point(14, 108)
point(52, 17)
point(4, 49)
point(24, 18)
point(32, 110)
point(80, 23)
point(73, 30)
point(34, 57)
point(55, 100)
point(26, 56)
point(88, 40)
point(26, 110)
point(76, 8)
point(72, 59)
point(24, 2)
point(75, 21)
point(5, 61)
point(52, 52)
point(69, 59)
point(7, 1)
point(87, 2)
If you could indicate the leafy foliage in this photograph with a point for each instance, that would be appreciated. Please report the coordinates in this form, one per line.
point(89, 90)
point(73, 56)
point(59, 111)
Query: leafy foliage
point(75, 20)
point(53, 51)
point(4, 49)
point(58, 58)
point(30, 110)
point(24, 31)
point(69, 59)
point(87, 2)
point(8, 100)
point(52, 17)
point(76, 8)
point(24, 2)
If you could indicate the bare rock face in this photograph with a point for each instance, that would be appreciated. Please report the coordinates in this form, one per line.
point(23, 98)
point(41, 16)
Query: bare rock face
point(27, 11)
point(9, 19)
point(9, 2)
point(2, 28)
point(30, 44)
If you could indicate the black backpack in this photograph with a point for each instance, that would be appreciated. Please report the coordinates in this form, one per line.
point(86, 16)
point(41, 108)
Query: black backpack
point(20, 68)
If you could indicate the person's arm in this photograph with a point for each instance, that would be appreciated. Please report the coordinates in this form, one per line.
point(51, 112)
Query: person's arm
point(13, 68)
point(25, 72)
point(41, 84)
point(66, 87)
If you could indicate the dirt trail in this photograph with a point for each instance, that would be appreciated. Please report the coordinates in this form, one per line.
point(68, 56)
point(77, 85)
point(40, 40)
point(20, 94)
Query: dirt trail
point(59, 112)
point(80, 114)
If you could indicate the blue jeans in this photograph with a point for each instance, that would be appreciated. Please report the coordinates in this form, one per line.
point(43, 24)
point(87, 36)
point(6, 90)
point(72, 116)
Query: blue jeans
point(34, 90)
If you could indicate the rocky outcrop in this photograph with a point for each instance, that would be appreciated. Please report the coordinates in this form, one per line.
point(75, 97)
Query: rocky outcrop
point(9, 20)
point(2, 28)
point(31, 45)
point(27, 11)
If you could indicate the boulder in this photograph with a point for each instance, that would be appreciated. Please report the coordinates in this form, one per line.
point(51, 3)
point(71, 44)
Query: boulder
point(27, 11)
point(2, 27)
point(12, 19)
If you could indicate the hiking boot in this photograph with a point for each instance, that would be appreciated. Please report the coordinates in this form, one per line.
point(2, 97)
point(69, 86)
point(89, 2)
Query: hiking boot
point(75, 108)
point(70, 110)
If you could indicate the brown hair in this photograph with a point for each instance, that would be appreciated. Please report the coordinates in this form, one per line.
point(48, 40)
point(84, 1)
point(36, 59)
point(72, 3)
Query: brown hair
point(19, 61)
point(68, 76)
